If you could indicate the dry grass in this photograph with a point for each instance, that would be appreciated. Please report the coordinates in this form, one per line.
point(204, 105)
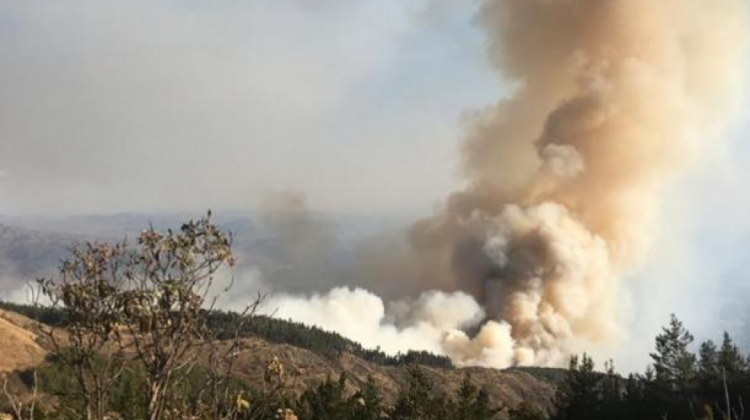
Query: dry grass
point(19, 347)
point(505, 387)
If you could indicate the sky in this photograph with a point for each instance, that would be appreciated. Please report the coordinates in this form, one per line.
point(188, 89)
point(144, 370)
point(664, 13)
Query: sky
point(145, 106)
point(148, 106)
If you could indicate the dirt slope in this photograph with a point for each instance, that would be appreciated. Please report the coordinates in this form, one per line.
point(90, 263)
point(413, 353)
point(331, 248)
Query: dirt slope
point(304, 368)
point(19, 347)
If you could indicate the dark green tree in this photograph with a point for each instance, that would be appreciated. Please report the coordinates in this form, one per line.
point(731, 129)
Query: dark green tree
point(472, 403)
point(369, 402)
point(526, 411)
point(674, 364)
point(731, 362)
point(418, 400)
point(327, 401)
point(709, 372)
point(580, 396)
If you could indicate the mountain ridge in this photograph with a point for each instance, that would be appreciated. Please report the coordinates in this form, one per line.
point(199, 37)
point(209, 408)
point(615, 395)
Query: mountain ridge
point(19, 335)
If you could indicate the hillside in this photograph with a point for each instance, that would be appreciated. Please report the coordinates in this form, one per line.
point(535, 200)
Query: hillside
point(22, 348)
point(509, 387)
point(19, 345)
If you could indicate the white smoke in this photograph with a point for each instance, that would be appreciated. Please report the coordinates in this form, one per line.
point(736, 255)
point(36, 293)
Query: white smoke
point(434, 322)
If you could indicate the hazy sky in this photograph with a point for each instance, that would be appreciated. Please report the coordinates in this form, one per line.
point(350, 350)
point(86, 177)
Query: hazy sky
point(181, 105)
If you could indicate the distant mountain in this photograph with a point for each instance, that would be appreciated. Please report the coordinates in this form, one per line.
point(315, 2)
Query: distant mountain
point(120, 225)
point(296, 251)
point(27, 254)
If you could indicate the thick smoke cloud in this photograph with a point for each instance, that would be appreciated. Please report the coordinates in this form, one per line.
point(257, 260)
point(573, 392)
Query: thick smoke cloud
point(615, 99)
point(299, 250)
point(420, 324)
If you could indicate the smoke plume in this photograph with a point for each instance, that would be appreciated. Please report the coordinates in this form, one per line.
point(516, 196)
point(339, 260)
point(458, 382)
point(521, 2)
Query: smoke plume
point(564, 177)
point(614, 99)
point(434, 322)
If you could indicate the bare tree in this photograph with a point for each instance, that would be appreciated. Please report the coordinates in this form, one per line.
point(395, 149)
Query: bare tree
point(168, 279)
point(147, 305)
point(22, 410)
point(221, 400)
point(87, 295)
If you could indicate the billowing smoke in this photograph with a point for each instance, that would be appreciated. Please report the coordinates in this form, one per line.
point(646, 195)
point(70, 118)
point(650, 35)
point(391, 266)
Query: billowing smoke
point(434, 322)
point(614, 98)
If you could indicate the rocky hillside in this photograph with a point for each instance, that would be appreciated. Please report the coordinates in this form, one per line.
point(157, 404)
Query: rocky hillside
point(305, 368)
point(22, 347)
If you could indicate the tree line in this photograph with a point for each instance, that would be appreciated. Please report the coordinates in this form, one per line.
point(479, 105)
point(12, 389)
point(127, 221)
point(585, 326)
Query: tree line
point(713, 383)
point(273, 330)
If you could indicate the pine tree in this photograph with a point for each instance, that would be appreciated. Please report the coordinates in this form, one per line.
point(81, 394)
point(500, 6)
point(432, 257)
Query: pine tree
point(417, 401)
point(612, 387)
point(482, 408)
point(730, 360)
point(327, 401)
point(472, 403)
point(368, 402)
point(526, 411)
point(579, 397)
point(674, 364)
point(465, 399)
point(708, 364)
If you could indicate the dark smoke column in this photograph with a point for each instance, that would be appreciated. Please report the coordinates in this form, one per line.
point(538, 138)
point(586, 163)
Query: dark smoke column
point(615, 97)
